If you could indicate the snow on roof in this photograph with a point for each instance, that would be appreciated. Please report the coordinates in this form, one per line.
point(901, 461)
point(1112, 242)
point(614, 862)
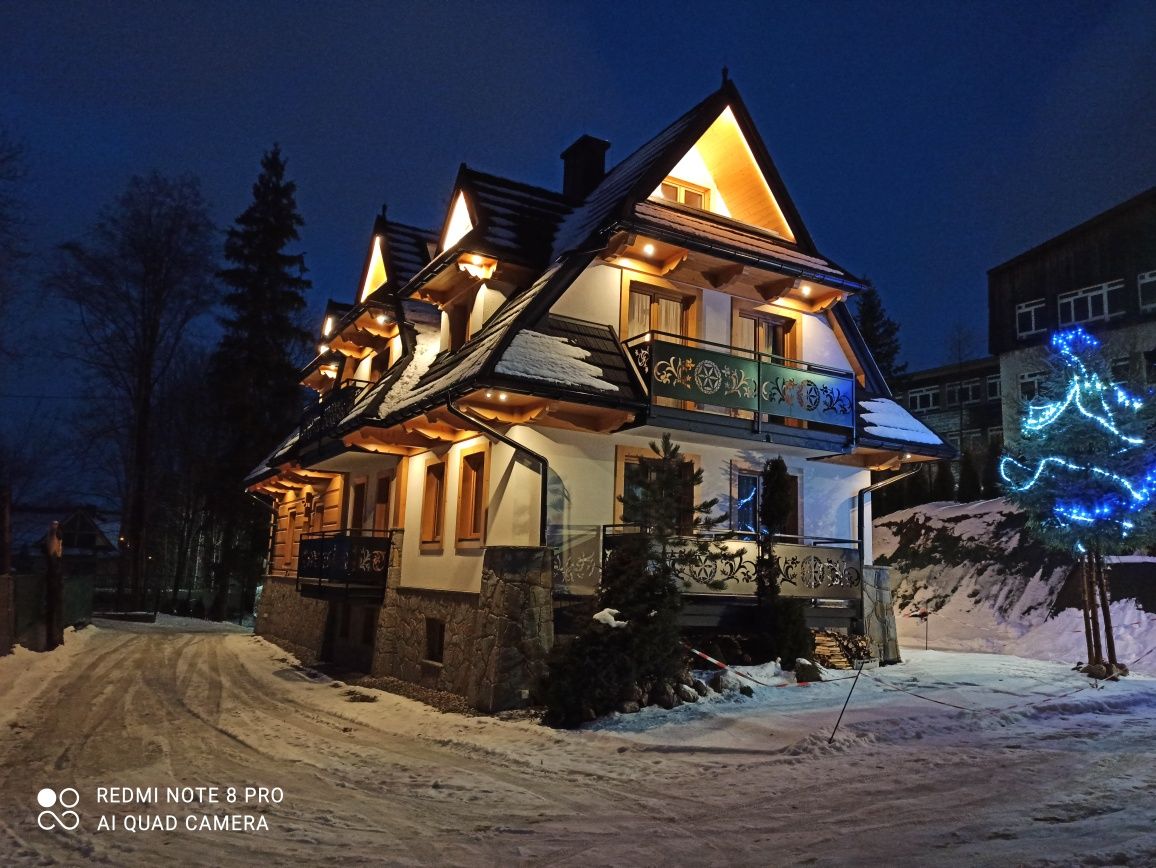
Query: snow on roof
point(885, 419)
point(425, 351)
point(536, 356)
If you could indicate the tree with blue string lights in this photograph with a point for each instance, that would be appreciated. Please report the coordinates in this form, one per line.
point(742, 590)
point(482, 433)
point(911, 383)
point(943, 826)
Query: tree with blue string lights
point(1084, 470)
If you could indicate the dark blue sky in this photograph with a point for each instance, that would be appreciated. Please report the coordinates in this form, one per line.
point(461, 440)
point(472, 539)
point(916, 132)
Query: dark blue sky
point(923, 142)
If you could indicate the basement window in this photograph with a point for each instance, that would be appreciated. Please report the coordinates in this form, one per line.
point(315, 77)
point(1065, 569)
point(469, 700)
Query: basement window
point(435, 640)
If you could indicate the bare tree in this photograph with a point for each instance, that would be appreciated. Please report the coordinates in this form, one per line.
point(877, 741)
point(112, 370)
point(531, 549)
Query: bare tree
point(145, 271)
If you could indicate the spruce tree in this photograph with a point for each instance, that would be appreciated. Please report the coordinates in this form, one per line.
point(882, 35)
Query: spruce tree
point(880, 332)
point(255, 367)
point(943, 485)
point(969, 483)
point(1084, 469)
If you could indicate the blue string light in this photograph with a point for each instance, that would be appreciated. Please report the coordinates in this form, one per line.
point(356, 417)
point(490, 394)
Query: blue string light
point(1086, 388)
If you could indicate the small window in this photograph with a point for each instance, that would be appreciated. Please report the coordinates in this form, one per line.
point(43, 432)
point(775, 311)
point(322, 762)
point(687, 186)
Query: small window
point(1121, 368)
point(993, 389)
point(971, 391)
point(472, 497)
point(433, 503)
point(290, 535)
point(357, 506)
point(1147, 282)
point(952, 394)
point(1031, 385)
point(435, 640)
point(685, 193)
point(748, 503)
point(1030, 318)
point(923, 399)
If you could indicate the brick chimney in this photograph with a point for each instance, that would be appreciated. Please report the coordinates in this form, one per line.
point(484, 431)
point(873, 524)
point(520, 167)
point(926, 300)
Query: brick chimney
point(584, 167)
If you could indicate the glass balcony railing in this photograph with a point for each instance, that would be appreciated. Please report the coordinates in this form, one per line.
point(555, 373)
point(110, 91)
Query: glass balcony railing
point(717, 378)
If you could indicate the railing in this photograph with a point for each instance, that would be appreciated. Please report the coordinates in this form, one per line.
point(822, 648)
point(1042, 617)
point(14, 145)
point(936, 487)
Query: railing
point(713, 375)
point(577, 557)
point(809, 567)
point(346, 561)
point(321, 417)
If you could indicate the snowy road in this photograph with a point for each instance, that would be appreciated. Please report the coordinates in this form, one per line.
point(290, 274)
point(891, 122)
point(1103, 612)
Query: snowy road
point(906, 782)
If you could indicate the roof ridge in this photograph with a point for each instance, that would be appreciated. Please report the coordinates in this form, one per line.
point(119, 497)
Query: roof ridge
point(553, 194)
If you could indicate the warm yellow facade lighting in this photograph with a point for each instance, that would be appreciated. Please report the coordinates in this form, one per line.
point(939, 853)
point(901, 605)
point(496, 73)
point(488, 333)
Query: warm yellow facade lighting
point(648, 249)
point(459, 223)
point(327, 329)
point(375, 275)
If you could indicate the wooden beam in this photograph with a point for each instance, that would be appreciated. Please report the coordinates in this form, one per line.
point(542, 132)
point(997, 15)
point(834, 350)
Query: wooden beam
point(722, 277)
point(774, 289)
point(617, 244)
point(673, 262)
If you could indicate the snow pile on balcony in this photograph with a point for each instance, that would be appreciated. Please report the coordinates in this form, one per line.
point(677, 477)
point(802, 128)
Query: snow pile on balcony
point(885, 419)
point(990, 587)
point(535, 356)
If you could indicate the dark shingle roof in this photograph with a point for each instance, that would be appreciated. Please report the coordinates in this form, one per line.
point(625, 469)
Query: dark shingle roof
point(409, 250)
point(514, 220)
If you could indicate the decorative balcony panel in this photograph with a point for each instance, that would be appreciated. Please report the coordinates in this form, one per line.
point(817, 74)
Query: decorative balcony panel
point(320, 418)
point(343, 562)
point(715, 375)
point(825, 571)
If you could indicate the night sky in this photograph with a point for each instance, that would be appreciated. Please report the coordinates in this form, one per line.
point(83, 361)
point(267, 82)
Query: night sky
point(923, 142)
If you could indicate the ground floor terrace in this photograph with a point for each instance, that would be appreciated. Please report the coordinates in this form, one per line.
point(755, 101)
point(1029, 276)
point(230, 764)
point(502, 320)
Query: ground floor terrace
point(457, 566)
point(1015, 762)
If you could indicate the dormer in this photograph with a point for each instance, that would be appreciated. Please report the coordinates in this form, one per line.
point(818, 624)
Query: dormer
point(720, 175)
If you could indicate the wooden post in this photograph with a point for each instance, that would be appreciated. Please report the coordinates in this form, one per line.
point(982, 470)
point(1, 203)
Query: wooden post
point(1090, 597)
point(1081, 566)
point(1106, 606)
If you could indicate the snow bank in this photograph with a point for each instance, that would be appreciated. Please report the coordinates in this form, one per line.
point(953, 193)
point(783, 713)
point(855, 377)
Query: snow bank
point(990, 587)
point(24, 673)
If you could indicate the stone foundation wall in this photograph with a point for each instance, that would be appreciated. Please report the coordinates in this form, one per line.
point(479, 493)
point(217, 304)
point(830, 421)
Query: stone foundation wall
point(294, 622)
point(514, 627)
point(400, 648)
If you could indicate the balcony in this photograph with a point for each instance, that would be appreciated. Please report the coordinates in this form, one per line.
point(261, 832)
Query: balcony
point(344, 564)
point(718, 379)
point(322, 417)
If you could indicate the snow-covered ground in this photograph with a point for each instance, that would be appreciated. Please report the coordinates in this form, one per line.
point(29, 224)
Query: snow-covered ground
point(948, 758)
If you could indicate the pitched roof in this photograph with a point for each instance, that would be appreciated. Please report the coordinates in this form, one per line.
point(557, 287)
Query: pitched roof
point(883, 423)
point(408, 250)
point(633, 179)
point(514, 220)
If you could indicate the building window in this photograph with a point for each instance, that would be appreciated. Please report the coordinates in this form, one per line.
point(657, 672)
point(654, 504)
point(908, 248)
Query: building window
point(1121, 368)
point(290, 535)
point(435, 640)
point(638, 474)
point(1150, 367)
point(952, 392)
point(1031, 385)
point(1090, 303)
point(993, 390)
point(923, 399)
point(761, 334)
point(1147, 282)
point(433, 503)
point(472, 496)
point(1030, 317)
point(654, 311)
point(748, 497)
point(685, 193)
point(972, 440)
point(381, 501)
point(995, 436)
point(357, 505)
point(971, 391)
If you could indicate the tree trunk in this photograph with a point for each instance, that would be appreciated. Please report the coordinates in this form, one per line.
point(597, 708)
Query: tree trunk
point(1106, 605)
point(1081, 566)
point(1090, 596)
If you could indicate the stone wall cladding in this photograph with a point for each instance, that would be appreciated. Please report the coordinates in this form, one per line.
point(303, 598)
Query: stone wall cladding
point(291, 621)
point(399, 649)
point(514, 627)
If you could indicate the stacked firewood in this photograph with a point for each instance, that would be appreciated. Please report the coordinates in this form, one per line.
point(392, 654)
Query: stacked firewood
point(837, 650)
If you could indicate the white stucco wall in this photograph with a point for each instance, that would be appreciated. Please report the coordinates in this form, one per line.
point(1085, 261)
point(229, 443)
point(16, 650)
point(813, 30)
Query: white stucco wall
point(820, 346)
point(594, 296)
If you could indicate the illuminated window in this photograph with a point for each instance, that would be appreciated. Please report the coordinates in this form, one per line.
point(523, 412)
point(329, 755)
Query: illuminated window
point(433, 503)
point(748, 497)
point(1091, 303)
point(685, 193)
point(650, 310)
point(472, 496)
point(1030, 317)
